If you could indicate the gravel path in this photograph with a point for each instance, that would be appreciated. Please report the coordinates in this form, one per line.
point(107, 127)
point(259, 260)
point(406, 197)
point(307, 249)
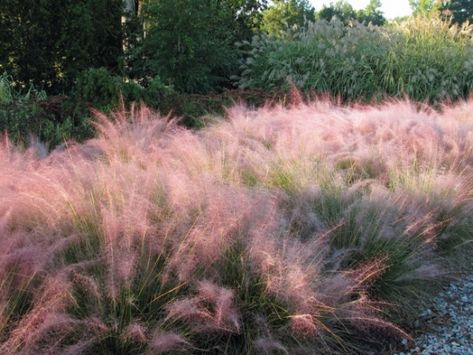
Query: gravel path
point(449, 322)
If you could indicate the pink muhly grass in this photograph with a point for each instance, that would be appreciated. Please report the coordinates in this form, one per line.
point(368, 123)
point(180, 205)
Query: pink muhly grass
point(187, 309)
point(90, 286)
point(289, 269)
point(54, 329)
point(269, 346)
point(222, 220)
point(304, 325)
point(50, 301)
point(211, 309)
point(225, 315)
point(163, 342)
point(136, 332)
point(271, 188)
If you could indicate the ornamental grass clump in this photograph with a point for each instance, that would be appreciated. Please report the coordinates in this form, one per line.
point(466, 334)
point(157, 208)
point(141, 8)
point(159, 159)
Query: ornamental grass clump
point(423, 58)
point(302, 229)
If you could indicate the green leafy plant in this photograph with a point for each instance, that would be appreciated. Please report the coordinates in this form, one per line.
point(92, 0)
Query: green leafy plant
point(6, 95)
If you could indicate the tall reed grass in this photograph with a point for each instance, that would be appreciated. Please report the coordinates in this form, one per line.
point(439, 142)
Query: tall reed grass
point(422, 58)
point(301, 230)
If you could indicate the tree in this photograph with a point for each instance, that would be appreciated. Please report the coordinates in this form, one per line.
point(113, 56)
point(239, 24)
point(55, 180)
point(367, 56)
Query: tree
point(425, 7)
point(91, 36)
point(372, 14)
point(28, 41)
point(284, 14)
point(190, 44)
point(341, 10)
point(49, 42)
point(459, 11)
point(248, 16)
point(131, 7)
point(345, 12)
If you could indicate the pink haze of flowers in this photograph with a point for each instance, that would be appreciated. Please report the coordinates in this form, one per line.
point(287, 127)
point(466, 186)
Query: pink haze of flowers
point(276, 229)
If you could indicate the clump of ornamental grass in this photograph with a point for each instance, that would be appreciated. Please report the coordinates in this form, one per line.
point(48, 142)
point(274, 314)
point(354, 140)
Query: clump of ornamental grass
point(302, 229)
point(423, 58)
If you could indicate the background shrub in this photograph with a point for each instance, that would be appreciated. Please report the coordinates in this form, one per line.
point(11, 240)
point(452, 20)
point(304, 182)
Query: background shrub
point(31, 115)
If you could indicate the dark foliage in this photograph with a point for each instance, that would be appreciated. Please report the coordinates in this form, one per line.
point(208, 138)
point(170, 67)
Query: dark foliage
point(48, 43)
point(460, 11)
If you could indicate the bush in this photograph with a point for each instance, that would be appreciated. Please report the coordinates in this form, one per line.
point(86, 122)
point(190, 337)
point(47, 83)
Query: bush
point(28, 116)
point(422, 58)
point(102, 90)
point(98, 89)
point(6, 90)
point(434, 61)
point(23, 117)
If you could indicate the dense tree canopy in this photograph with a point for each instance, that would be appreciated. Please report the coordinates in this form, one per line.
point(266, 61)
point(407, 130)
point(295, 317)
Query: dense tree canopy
point(346, 13)
point(189, 44)
point(425, 7)
point(459, 11)
point(341, 9)
point(194, 51)
point(372, 13)
point(49, 42)
point(247, 15)
point(191, 50)
point(285, 14)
